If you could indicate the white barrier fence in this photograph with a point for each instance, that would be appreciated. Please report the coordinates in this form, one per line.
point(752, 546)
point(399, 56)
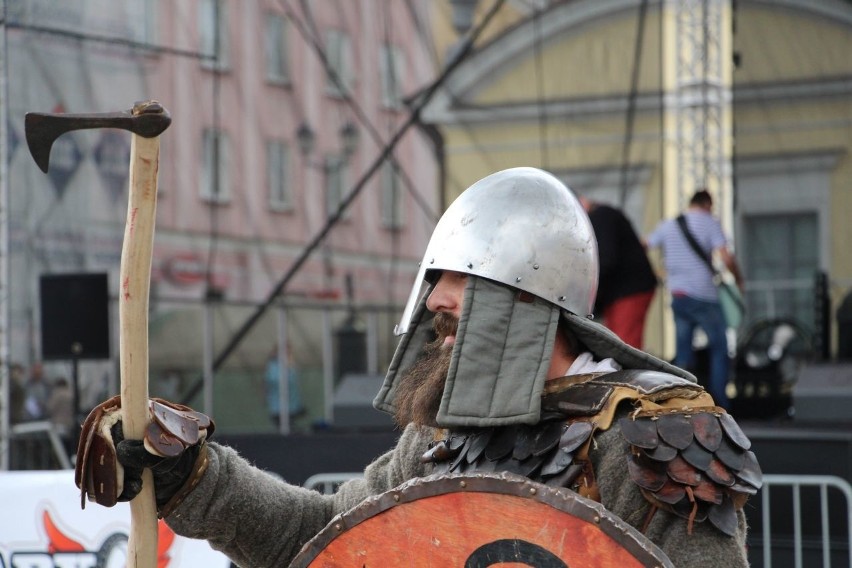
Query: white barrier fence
point(327, 483)
point(795, 483)
point(43, 526)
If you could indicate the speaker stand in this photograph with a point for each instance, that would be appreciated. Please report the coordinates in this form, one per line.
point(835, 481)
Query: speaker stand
point(75, 409)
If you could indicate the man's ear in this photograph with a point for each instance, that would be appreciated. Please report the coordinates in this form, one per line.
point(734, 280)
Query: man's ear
point(567, 343)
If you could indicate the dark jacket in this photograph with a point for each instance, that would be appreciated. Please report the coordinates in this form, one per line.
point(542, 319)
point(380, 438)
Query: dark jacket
point(624, 266)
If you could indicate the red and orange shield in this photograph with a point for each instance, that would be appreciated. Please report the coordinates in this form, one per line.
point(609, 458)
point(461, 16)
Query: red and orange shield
point(474, 521)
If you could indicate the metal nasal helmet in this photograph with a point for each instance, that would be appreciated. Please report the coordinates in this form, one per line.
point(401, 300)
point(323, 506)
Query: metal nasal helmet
point(521, 227)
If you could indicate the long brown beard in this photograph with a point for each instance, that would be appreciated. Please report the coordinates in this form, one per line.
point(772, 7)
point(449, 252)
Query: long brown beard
point(419, 392)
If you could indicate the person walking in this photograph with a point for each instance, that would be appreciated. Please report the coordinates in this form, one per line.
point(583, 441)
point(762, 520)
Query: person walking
point(272, 382)
point(695, 299)
point(17, 394)
point(36, 393)
point(627, 280)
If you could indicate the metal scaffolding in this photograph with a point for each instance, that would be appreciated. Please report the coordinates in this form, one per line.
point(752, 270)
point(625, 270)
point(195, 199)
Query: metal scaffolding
point(701, 100)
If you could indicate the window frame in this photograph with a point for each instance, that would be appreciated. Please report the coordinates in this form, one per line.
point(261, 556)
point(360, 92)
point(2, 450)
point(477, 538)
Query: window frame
point(392, 213)
point(391, 75)
point(337, 50)
point(336, 174)
point(279, 189)
point(207, 26)
point(276, 68)
point(215, 144)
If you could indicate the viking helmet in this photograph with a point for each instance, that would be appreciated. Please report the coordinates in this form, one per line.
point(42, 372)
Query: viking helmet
point(521, 227)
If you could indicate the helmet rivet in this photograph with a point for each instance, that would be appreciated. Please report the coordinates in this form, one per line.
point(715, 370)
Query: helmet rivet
point(518, 279)
point(561, 298)
point(535, 267)
point(470, 265)
point(432, 261)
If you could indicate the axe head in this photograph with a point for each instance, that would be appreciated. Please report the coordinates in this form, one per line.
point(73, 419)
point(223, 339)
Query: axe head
point(147, 119)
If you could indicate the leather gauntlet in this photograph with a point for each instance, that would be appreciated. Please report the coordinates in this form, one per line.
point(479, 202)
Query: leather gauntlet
point(109, 468)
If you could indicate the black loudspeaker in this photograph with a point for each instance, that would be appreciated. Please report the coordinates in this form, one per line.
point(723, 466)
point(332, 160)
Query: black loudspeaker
point(74, 316)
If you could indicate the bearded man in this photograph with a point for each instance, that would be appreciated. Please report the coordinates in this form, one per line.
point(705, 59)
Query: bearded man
point(498, 369)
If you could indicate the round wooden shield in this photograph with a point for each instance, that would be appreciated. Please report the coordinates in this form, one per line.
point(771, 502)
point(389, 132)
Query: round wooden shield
point(474, 521)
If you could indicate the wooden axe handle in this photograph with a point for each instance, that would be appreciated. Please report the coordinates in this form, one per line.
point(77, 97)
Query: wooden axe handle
point(135, 279)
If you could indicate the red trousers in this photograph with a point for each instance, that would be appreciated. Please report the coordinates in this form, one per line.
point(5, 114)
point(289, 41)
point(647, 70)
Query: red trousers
point(626, 317)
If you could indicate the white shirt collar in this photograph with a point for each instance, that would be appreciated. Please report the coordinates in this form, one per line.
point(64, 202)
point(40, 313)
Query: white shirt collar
point(585, 363)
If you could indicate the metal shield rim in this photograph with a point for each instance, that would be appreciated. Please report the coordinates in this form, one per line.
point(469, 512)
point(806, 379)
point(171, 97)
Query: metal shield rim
point(504, 483)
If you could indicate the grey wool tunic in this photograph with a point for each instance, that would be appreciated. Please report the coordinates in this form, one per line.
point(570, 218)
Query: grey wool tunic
point(260, 521)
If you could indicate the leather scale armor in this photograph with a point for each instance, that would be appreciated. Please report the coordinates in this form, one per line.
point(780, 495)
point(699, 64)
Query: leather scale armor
point(687, 455)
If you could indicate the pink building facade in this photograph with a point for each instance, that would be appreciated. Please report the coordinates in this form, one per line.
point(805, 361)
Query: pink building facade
point(240, 198)
point(272, 199)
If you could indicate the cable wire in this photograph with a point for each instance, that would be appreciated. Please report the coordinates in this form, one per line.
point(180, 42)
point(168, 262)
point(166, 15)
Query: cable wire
point(217, 151)
point(544, 150)
point(393, 80)
point(631, 101)
point(150, 47)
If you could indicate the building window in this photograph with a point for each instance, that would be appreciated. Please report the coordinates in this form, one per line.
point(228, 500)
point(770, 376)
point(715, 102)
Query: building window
point(213, 30)
point(782, 256)
point(142, 21)
point(277, 68)
point(215, 186)
point(391, 197)
point(277, 175)
point(337, 52)
point(336, 183)
point(391, 69)
point(783, 207)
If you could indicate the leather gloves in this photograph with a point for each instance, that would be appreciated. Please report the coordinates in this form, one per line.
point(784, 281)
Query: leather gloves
point(109, 468)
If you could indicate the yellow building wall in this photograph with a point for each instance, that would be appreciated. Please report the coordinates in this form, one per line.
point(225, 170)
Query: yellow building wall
point(444, 35)
point(784, 46)
point(594, 61)
point(779, 44)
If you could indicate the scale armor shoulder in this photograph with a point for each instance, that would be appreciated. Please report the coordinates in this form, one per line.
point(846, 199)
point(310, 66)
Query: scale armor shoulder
point(695, 463)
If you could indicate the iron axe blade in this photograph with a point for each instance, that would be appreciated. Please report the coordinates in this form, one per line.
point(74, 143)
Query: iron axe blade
point(147, 119)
